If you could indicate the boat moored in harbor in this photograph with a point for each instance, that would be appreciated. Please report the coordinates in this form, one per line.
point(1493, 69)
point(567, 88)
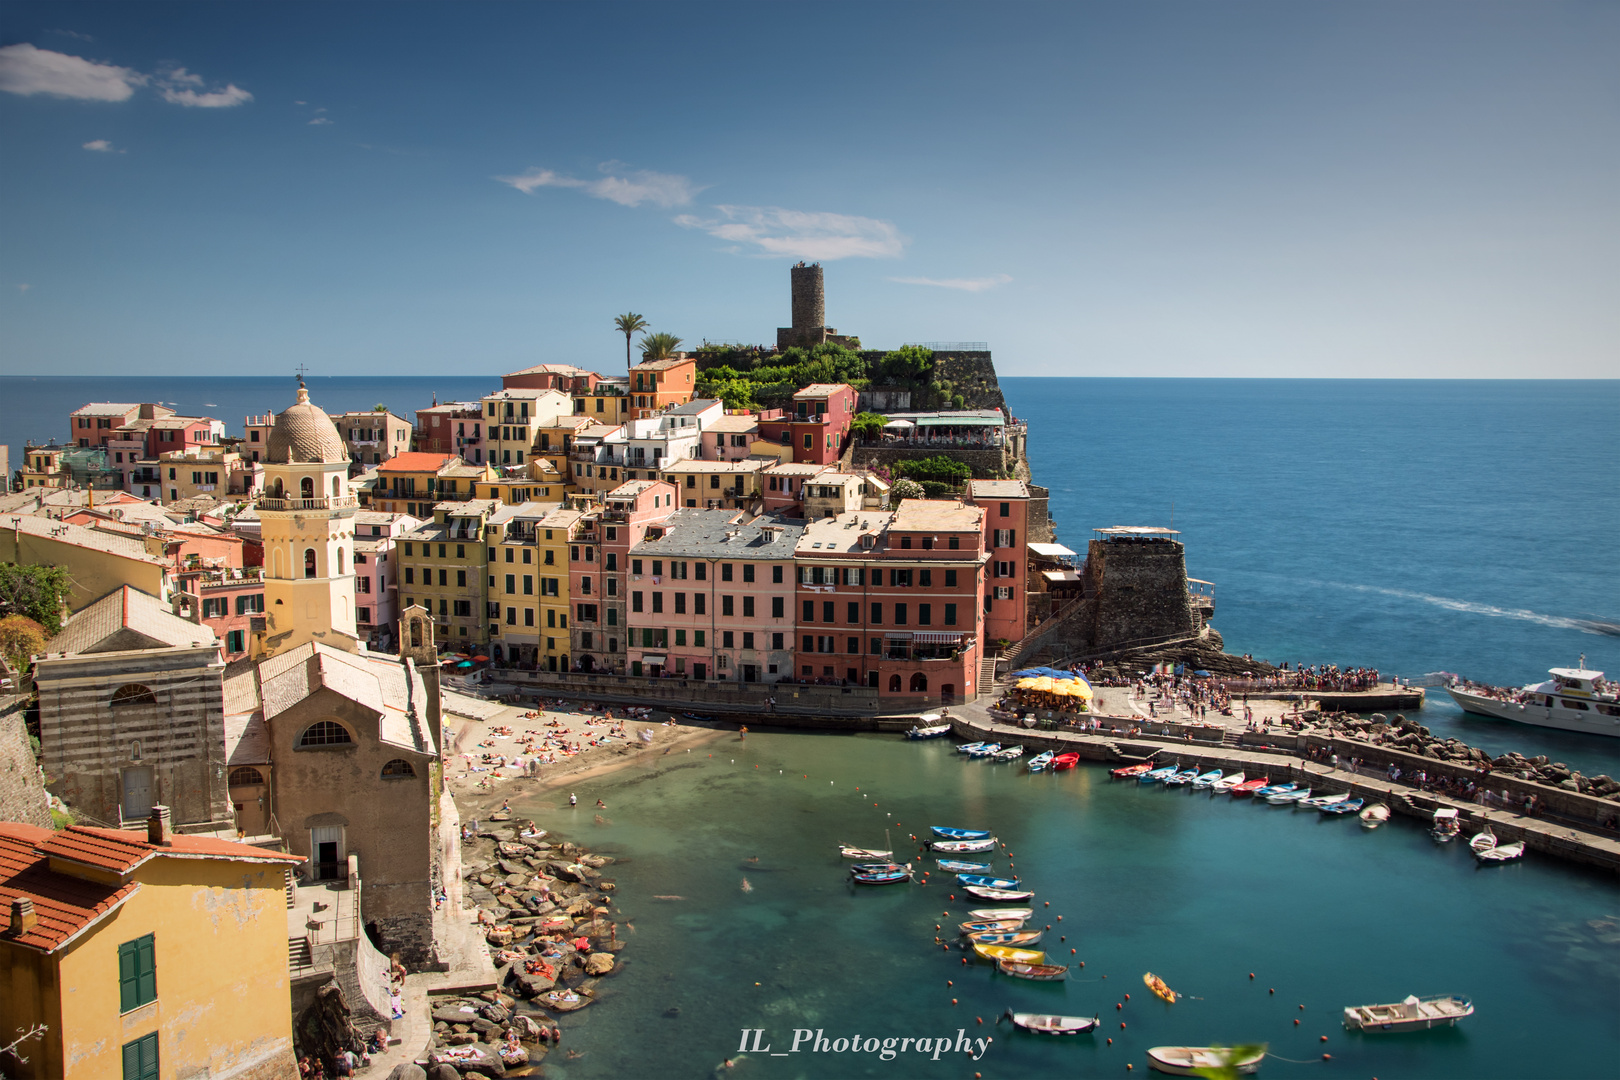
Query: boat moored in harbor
point(1183, 1060)
point(1054, 1025)
point(938, 731)
point(1413, 1014)
point(1574, 699)
point(1020, 969)
point(963, 847)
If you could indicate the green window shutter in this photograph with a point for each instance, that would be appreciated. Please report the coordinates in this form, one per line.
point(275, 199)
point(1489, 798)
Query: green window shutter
point(137, 974)
point(146, 962)
point(141, 1058)
point(127, 979)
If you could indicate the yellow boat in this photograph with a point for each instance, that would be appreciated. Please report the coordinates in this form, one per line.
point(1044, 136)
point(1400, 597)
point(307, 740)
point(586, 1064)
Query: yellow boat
point(1007, 952)
point(1156, 984)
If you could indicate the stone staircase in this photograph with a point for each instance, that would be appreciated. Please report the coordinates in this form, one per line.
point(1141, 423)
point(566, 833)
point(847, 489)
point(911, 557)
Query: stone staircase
point(298, 954)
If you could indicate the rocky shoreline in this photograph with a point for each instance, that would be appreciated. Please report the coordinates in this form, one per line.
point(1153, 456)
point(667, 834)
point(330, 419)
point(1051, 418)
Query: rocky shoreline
point(544, 909)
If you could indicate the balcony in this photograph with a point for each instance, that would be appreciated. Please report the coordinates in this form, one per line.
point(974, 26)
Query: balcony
point(345, 504)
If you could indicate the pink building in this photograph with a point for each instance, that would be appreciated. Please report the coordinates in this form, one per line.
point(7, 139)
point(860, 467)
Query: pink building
point(717, 588)
point(98, 422)
point(1006, 537)
point(782, 486)
point(565, 377)
point(628, 513)
point(821, 418)
point(728, 438)
point(891, 600)
point(227, 601)
point(376, 574)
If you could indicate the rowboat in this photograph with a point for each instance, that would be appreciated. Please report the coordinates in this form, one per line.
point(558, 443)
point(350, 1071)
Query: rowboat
point(945, 832)
point(1348, 806)
point(990, 926)
point(875, 867)
point(1324, 800)
point(995, 913)
point(890, 877)
point(1501, 853)
point(864, 854)
point(1374, 816)
point(1007, 952)
point(938, 731)
point(1413, 1014)
point(1182, 1060)
point(1034, 972)
point(1156, 984)
point(1054, 1025)
point(1185, 776)
point(1019, 938)
point(986, 750)
point(1484, 840)
point(1446, 826)
point(1065, 761)
point(1153, 776)
point(987, 881)
point(1249, 787)
point(968, 748)
point(1125, 771)
point(1041, 761)
point(998, 894)
point(1277, 789)
point(1208, 779)
point(962, 847)
point(1286, 797)
point(1227, 783)
point(1012, 753)
point(957, 866)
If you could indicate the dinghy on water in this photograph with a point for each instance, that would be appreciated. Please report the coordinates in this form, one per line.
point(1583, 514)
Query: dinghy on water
point(957, 866)
point(1020, 969)
point(1016, 938)
point(999, 894)
point(1157, 985)
point(1183, 1060)
point(1153, 776)
point(1126, 771)
point(1413, 1014)
point(864, 854)
point(945, 832)
point(968, 748)
point(964, 847)
point(991, 926)
point(1054, 1025)
point(987, 750)
point(1185, 776)
point(1347, 806)
point(1283, 798)
point(1227, 783)
point(1374, 816)
point(1012, 753)
point(985, 881)
point(1277, 789)
point(1249, 787)
point(1501, 853)
point(888, 877)
point(1446, 826)
point(1041, 761)
point(1208, 779)
point(1484, 840)
point(1007, 952)
point(1324, 800)
point(1065, 761)
point(1000, 913)
point(938, 731)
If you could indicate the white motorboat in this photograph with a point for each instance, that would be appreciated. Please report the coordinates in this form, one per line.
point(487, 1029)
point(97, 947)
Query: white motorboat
point(1413, 1014)
point(1446, 826)
point(1183, 1060)
point(1574, 699)
point(1374, 816)
point(1206, 780)
point(1324, 800)
point(1484, 840)
point(1012, 753)
point(1501, 853)
point(1227, 783)
point(1286, 797)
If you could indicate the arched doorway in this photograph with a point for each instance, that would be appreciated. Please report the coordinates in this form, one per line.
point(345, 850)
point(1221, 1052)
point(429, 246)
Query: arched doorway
point(306, 488)
point(309, 562)
point(894, 684)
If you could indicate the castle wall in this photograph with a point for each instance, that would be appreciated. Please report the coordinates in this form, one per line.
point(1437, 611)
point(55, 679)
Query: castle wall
point(1140, 590)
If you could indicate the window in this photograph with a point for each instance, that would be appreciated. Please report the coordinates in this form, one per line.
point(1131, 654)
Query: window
point(133, 694)
point(461, 579)
point(950, 579)
point(748, 607)
point(658, 603)
point(1006, 509)
point(725, 571)
point(702, 571)
point(905, 541)
point(925, 578)
point(853, 645)
point(748, 571)
point(528, 616)
point(234, 641)
point(635, 601)
point(809, 646)
point(776, 643)
point(528, 585)
point(899, 614)
point(954, 543)
point(877, 615)
point(410, 574)
point(680, 603)
point(137, 976)
point(463, 609)
point(1004, 592)
point(727, 641)
point(325, 733)
point(809, 611)
point(141, 1058)
point(511, 616)
point(511, 582)
point(777, 606)
point(950, 614)
point(776, 575)
point(398, 769)
point(635, 566)
point(748, 639)
point(725, 606)
point(827, 607)
point(900, 578)
point(925, 614)
point(699, 637)
point(246, 776)
point(309, 562)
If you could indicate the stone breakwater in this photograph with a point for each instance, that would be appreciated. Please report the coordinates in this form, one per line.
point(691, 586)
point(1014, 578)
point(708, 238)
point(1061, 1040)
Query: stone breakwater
point(544, 910)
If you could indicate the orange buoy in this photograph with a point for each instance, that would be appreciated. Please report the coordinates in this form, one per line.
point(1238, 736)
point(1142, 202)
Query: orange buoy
point(1049, 926)
point(949, 983)
point(1324, 1038)
point(1327, 1057)
point(1110, 1042)
point(1049, 903)
point(1071, 953)
point(980, 1019)
point(1273, 990)
point(953, 1001)
point(1060, 918)
point(1119, 1005)
point(1122, 1025)
point(1296, 1023)
point(1251, 974)
point(1063, 937)
point(1082, 963)
point(1302, 1008)
point(1127, 997)
point(964, 959)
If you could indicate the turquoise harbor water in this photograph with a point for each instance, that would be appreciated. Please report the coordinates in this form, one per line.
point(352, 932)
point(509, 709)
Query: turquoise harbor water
point(1200, 890)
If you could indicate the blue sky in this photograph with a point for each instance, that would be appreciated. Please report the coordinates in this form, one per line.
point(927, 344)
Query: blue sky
point(1254, 189)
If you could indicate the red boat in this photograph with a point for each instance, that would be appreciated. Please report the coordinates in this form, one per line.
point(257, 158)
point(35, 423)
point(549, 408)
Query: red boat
point(1065, 761)
point(1249, 787)
point(1132, 770)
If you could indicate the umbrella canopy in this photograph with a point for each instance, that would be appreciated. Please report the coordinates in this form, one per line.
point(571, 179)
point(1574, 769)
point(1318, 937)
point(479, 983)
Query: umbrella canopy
point(465, 663)
point(1027, 684)
point(481, 658)
point(1043, 683)
point(899, 424)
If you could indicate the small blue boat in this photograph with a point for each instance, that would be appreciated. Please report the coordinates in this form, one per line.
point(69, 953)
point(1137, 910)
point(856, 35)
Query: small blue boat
point(887, 877)
point(968, 748)
point(1348, 806)
point(957, 866)
point(1040, 761)
point(985, 750)
point(985, 881)
point(959, 834)
point(1155, 775)
point(938, 731)
point(1276, 789)
point(1208, 779)
point(875, 867)
point(1185, 776)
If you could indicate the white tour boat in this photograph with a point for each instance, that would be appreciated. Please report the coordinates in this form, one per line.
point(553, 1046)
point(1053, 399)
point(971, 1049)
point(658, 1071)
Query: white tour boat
point(1574, 699)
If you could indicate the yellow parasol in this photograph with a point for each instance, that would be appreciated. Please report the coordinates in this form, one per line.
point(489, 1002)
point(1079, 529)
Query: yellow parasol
point(1027, 683)
point(1044, 683)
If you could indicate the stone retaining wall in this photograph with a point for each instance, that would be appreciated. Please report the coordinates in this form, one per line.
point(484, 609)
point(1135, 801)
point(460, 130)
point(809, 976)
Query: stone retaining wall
point(22, 788)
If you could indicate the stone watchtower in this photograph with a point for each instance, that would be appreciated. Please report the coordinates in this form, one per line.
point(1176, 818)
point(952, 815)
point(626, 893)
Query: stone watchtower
point(809, 310)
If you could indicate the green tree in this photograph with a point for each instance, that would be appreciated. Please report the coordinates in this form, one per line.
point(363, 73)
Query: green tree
point(629, 324)
point(659, 346)
point(910, 364)
point(37, 592)
point(905, 489)
point(20, 638)
point(938, 469)
point(868, 425)
point(379, 407)
point(1230, 1056)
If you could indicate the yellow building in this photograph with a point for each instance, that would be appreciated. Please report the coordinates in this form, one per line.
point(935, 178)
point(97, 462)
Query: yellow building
point(146, 956)
point(444, 566)
point(714, 485)
point(98, 561)
point(608, 402)
point(539, 482)
point(552, 537)
point(513, 417)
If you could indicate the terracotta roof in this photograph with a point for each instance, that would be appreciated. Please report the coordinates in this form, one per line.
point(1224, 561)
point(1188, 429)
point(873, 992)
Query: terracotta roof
point(820, 390)
point(66, 906)
point(121, 850)
point(105, 408)
point(128, 608)
point(416, 461)
point(112, 543)
point(663, 365)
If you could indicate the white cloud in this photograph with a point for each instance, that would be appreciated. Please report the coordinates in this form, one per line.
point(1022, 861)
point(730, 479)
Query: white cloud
point(179, 87)
point(320, 120)
point(627, 187)
point(801, 234)
point(27, 70)
point(102, 146)
point(964, 284)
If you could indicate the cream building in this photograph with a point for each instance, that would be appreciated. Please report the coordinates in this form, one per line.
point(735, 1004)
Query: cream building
point(306, 518)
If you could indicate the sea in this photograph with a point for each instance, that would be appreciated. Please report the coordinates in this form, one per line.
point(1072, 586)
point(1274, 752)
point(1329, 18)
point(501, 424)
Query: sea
point(1413, 526)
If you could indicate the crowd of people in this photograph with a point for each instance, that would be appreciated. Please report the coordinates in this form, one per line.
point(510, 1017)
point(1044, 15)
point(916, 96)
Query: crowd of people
point(556, 741)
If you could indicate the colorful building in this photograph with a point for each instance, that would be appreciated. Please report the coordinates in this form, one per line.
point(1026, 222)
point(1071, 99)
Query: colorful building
point(607, 402)
point(145, 956)
point(98, 422)
point(456, 427)
point(628, 512)
point(821, 419)
point(563, 377)
point(445, 567)
point(1006, 537)
point(376, 574)
point(373, 437)
point(511, 420)
point(412, 483)
point(715, 485)
point(656, 385)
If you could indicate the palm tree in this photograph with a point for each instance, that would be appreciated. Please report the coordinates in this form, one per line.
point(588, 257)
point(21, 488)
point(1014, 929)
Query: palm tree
point(629, 324)
point(659, 346)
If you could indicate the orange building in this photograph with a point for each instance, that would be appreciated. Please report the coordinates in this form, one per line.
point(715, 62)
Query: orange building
point(656, 384)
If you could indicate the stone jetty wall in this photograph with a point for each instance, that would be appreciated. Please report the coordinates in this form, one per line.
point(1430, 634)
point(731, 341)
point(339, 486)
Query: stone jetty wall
point(22, 791)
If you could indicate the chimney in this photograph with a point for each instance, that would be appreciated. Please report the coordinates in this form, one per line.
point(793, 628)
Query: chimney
point(22, 915)
point(157, 827)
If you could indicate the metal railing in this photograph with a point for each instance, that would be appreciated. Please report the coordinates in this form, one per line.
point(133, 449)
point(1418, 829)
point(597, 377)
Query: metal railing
point(340, 502)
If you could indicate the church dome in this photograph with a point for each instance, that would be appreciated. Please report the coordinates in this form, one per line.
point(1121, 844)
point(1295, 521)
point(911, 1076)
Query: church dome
point(304, 435)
